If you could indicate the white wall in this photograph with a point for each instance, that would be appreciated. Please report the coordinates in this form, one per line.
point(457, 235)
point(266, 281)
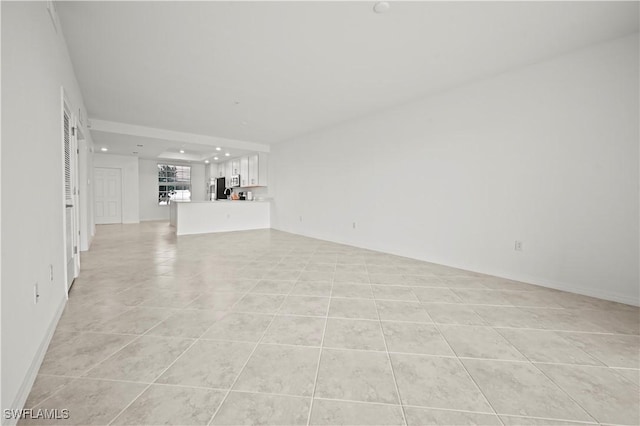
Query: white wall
point(130, 186)
point(35, 64)
point(149, 208)
point(546, 154)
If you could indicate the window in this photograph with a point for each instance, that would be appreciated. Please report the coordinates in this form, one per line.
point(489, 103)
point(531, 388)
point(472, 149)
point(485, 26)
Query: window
point(174, 183)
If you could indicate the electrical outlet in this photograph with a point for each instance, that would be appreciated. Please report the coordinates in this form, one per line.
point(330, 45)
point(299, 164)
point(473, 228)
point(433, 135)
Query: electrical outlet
point(36, 293)
point(51, 273)
point(518, 246)
point(354, 225)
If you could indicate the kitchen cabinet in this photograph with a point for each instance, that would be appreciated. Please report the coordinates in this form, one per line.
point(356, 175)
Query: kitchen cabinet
point(235, 167)
point(228, 171)
point(244, 171)
point(257, 170)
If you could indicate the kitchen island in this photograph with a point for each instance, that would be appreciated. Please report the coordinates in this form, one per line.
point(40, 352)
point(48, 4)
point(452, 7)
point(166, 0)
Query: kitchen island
point(203, 217)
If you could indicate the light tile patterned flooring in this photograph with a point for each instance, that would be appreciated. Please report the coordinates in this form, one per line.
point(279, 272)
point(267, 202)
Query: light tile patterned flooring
point(264, 327)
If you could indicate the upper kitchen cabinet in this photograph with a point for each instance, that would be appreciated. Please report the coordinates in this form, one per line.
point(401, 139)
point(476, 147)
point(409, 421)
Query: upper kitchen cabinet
point(235, 167)
point(244, 171)
point(257, 170)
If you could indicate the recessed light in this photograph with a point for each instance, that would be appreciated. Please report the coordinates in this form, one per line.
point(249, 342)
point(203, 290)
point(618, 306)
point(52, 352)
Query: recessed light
point(226, 154)
point(381, 7)
point(103, 149)
point(182, 151)
point(218, 148)
point(206, 161)
point(215, 158)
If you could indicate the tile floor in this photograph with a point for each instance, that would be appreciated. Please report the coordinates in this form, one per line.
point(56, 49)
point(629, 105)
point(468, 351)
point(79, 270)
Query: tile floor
point(264, 327)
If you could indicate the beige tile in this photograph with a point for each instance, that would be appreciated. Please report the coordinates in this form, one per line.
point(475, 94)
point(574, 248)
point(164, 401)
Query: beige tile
point(402, 311)
point(172, 405)
point(273, 287)
point(279, 369)
point(633, 375)
point(326, 412)
point(44, 387)
point(436, 382)
point(141, 360)
point(614, 350)
point(295, 330)
point(210, 364)
point(546, 346)
point(356, 376)
point(447, 313)
point(82, 353)
point(83, 317)
point(530, 421)
point(310, 288)
point(171, 299)
point(436, 295)
point(90, 402)
point(482, 297)
point(600, 391)
point(479, 342)
point(305, 305)
point(353, 308)
point(394, 292)
point(186, 323)
point(136, 321)
point(354, 334)
point(357, 291)
point(520, 388)
point(259, 303)
point(239, 326)
point(257, 409)
point(415, 338)
point(282, 274)
point(426, 416)
point(218, 301)
point(315, 276)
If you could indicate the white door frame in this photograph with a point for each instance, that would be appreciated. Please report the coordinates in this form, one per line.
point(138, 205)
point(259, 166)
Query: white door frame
point(72, 202)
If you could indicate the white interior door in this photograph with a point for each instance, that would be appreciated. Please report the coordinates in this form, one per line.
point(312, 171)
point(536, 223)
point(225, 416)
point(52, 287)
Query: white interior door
point(107, 197)
point(72, 257)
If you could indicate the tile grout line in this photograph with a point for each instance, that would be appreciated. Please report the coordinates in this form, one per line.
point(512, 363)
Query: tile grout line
point(393, 374)
point(215, 413)
point(161, 373)
point(469, 374)
point(324, 331)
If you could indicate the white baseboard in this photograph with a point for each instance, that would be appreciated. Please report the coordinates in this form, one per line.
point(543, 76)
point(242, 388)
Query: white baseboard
point(30, 377)
point(542, 282)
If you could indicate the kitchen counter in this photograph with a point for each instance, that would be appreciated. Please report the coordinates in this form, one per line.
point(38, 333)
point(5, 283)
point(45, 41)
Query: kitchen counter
point(202, 217)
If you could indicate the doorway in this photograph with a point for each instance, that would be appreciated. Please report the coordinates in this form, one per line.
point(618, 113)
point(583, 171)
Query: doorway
point(71, 204)
point(108, 195)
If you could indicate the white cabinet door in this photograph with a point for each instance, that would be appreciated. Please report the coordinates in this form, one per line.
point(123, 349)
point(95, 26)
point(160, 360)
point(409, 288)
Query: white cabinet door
point(252, 165)
point(228, 167)
point(235, 167)
point(244, 171)
point(220, 167)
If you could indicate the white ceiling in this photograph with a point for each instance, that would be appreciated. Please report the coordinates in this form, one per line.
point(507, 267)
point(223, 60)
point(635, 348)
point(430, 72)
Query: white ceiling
point(297, 67)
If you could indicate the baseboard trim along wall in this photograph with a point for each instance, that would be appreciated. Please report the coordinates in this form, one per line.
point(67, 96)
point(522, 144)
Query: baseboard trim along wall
point(30, 377)
point(605, 295)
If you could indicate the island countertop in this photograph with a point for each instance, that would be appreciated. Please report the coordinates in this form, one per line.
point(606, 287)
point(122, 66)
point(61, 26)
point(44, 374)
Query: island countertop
point(200, 217)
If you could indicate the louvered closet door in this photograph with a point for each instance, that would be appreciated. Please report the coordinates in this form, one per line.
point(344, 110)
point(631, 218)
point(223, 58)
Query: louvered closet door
point(69, 210)
point(107, 197)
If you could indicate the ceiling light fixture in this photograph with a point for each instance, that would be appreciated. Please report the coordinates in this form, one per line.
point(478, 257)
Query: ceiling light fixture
point(103, 149)
point(218, 148)
point(206, 161)
point(381, 7)
point(226, 154)
point(182, 151)
point(215, 158)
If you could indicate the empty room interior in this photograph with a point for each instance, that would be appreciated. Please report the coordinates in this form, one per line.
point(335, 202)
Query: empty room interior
point(320, 213)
